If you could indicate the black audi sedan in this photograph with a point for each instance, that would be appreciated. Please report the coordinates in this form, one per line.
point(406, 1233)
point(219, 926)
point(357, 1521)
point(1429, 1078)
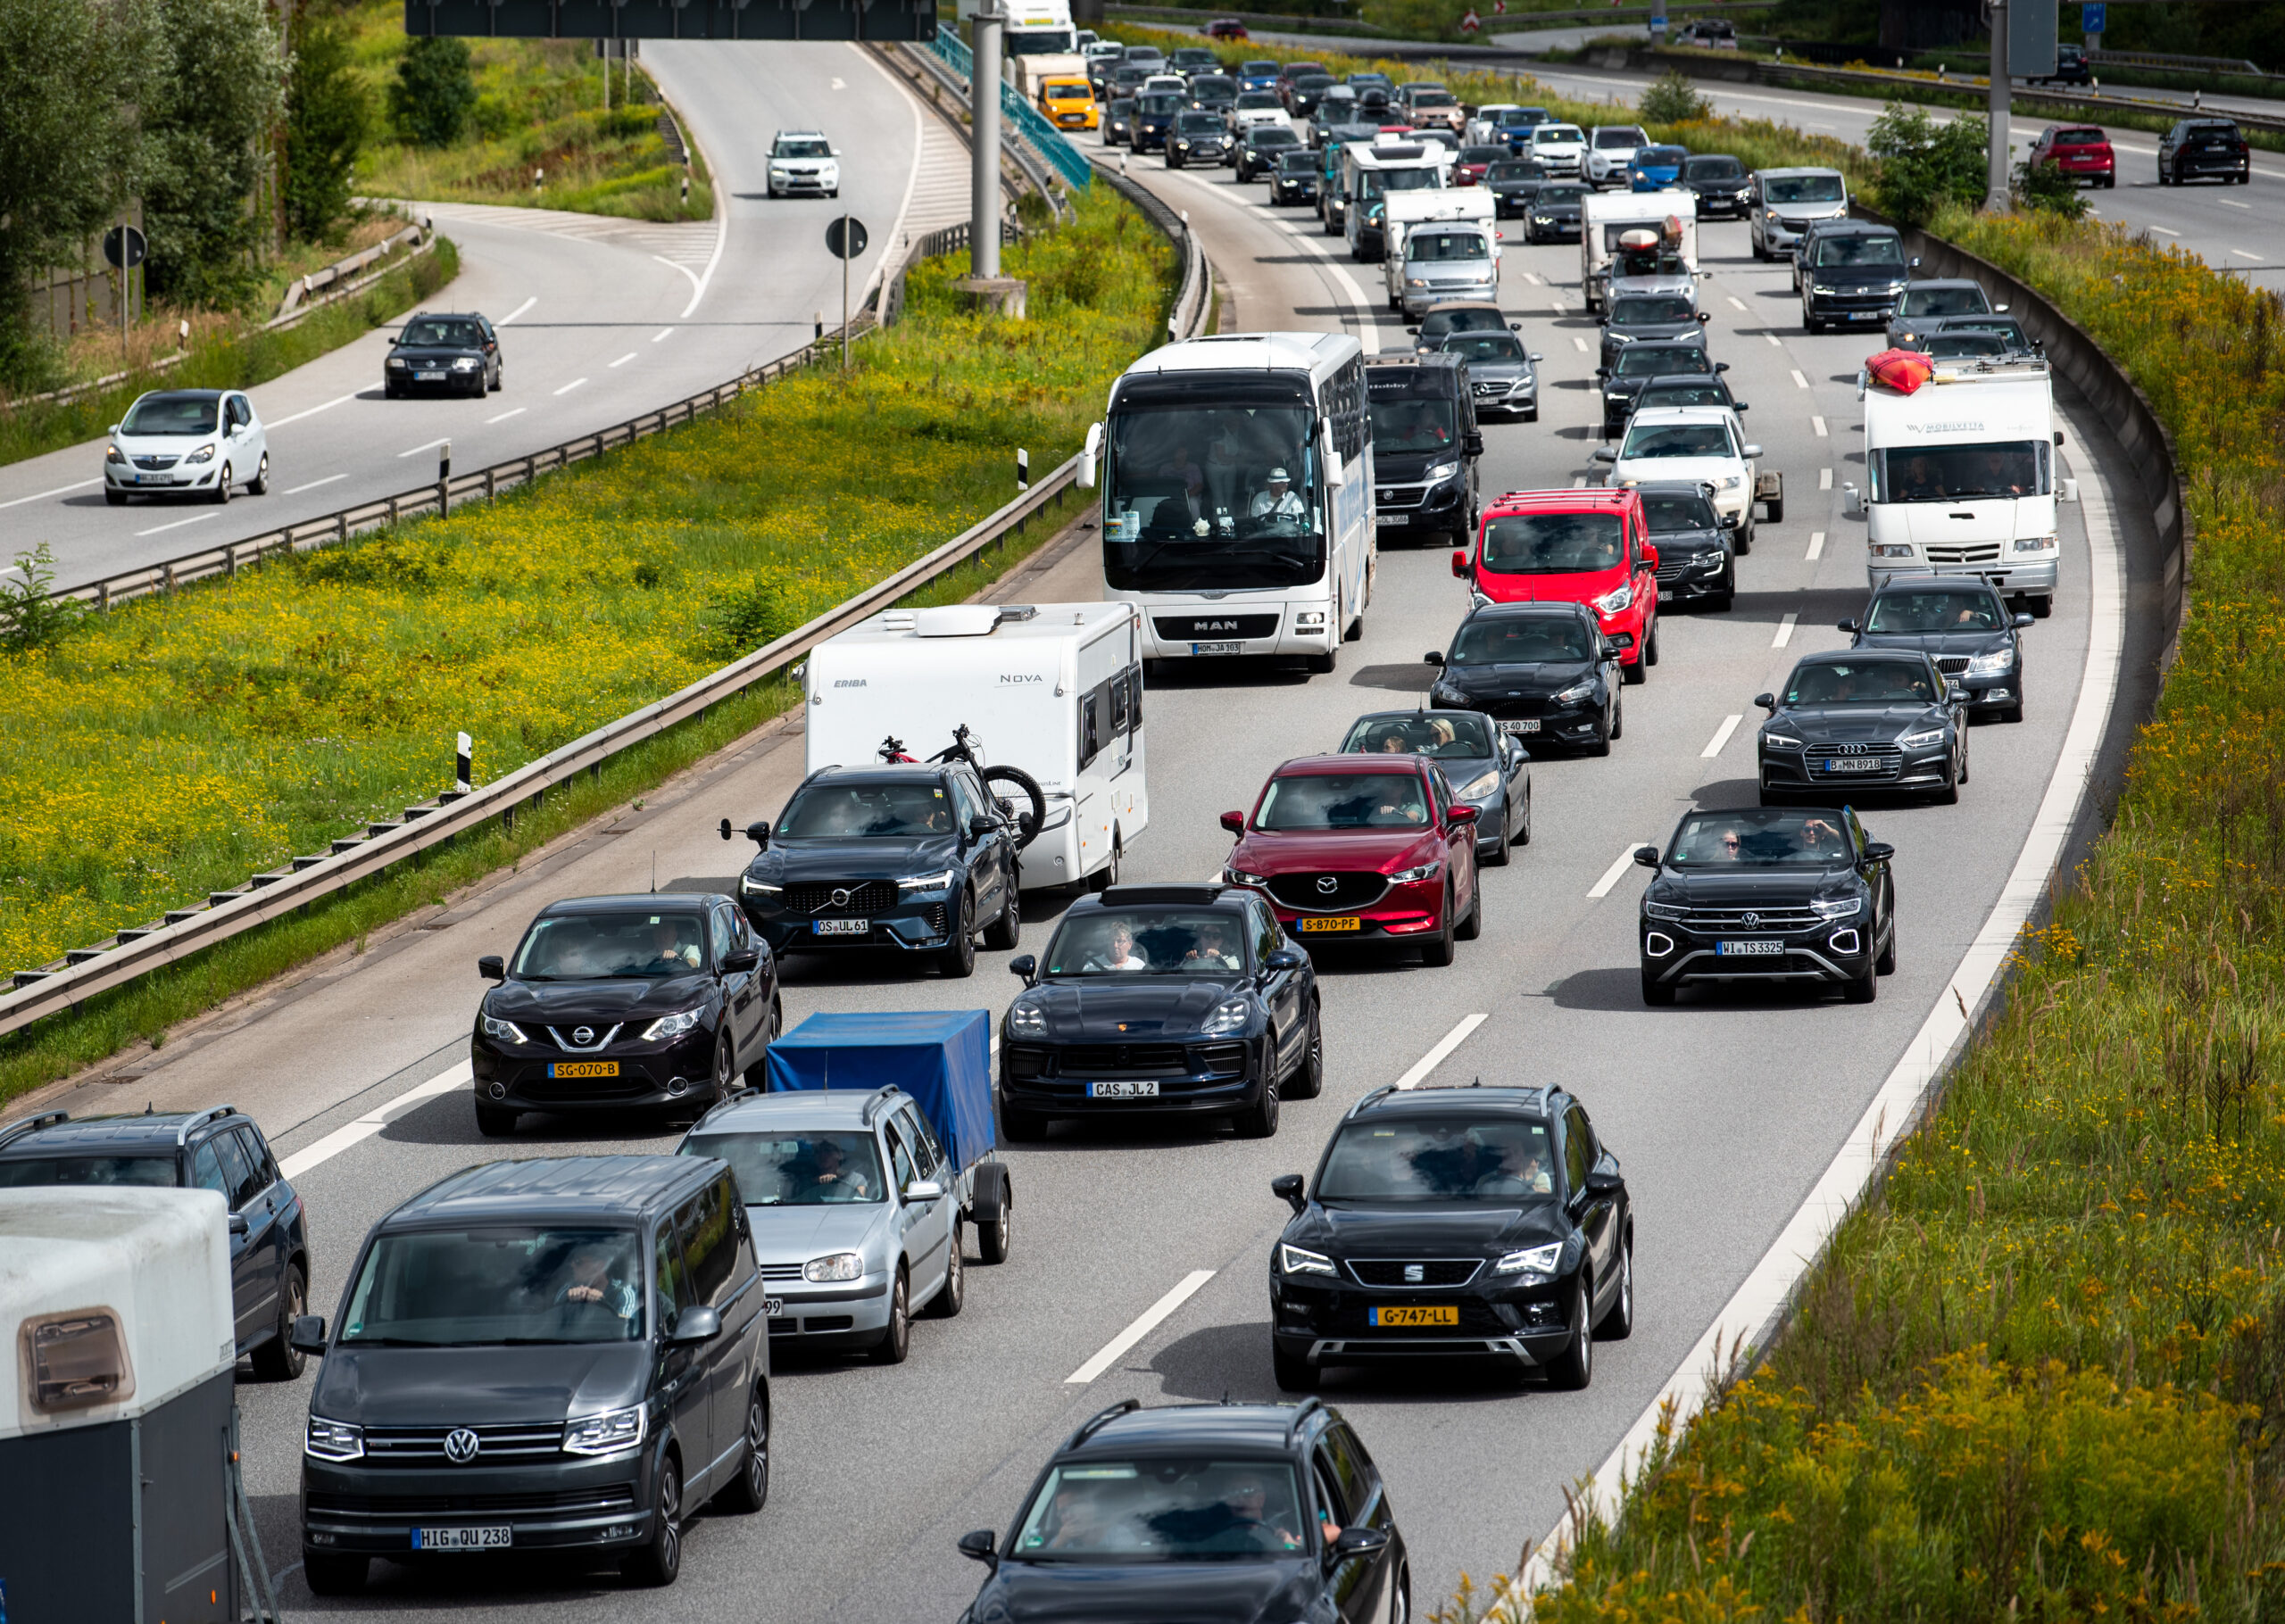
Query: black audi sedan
point(1487, 768)
point(1697, 561)
point(1866, 720)
point(1224, 1513)
point(1454, 1222)
point(1513, 183)
point(1554, 214)
point(1636, 364)
point(1545, 673)
point(1960, 622)
point(1724, 188)
point(617, 1003)
point(1798, 895)
point(916, 858)
point(1158, 1000)
point(448, 354)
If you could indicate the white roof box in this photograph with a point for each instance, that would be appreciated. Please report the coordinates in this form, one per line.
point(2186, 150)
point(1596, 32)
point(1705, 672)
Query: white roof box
point(957, 620)
point(113, 1299)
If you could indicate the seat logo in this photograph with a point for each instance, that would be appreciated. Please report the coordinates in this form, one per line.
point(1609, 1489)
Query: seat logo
point(1327, 884)
point(583, 1034)
point(1414, 1274)
point(841, 897)
point(461, 1445)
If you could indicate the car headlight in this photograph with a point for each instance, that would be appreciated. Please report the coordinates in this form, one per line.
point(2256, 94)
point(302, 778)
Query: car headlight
point(1782, 742)
point(1891, 550)
point(1442, 470)
point(1664, 910)
point(938, 881)
point(1027, 1021)
point(1449, 694)
point(671, 1026)
point(399, 362)
point(333, 1440)
point(1618, 598)
point(114, 454)
point(506, 1032)
point(752, 887)
point(1539, 1261)
point(466, 363)
point(1182, 146)
point(833, 1266)
point(2034, 543)
point(1708, 562)
point(1229, 1015)
point(1416, 281)
point(1992, 664)
point(1482, 784)
point(1413, 876)
point(775, 166)
point(1732, 482)
point(205, 453)
point(1925, 739)
point(1893, 288)
point(1577, 693)
point(1301, 1260)
point(604, 1434)
point(1836, 908)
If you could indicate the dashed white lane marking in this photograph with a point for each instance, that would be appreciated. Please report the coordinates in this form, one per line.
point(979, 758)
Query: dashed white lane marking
point(429, 445)
point(1776, 343)
point(196, 518)
point(623, 360)
point(1816, 547)
point(518, 311)
point(569, 387)
point(504, 416)
point(2167, 233)
point(1824, 479)
point(1785, 632)
point(314, 483)
point(1736, 303)
point(1580, 482)
point(77, 484)
point(357, 1133)
point(1721, 737)
point(1818, 424)
point(662, 333)
point(1619, 865)
point(310, 412)
point(1799, 381)
point(1578, 343)
point(2240, 253)
point(1435, 1056)
point(1144, 1324)
point(1533, 280)
point(2233, 202)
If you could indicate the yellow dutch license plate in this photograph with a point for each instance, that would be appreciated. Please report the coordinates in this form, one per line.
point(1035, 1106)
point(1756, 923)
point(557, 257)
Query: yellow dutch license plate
point(582, 1068)
point(1330, 922)
point(1439, 1315)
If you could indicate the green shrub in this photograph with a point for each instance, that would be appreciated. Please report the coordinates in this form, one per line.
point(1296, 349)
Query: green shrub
point(2046, 187)
point(327, 116)
point(1673, 98)
point(1925, 166)
point(433, 92)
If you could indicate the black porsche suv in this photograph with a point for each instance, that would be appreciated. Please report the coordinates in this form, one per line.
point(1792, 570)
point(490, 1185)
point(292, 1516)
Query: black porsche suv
point(447, 354)
point(1960, 622)
point(914, 857)
point(1801, 894)
point(1470, 1221)
point(619, 1003)
point(1161, 1000)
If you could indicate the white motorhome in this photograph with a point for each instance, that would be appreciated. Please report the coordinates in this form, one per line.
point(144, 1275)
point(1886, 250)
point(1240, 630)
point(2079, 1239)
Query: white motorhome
point(1607, 217)
point(1041, 43)
point(1469, 271)
point(1962, 478)
point(1372, 171)
point(1055, 688)
point(115, 1306)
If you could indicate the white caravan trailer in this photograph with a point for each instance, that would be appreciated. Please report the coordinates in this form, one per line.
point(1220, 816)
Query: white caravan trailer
point(1605, 216)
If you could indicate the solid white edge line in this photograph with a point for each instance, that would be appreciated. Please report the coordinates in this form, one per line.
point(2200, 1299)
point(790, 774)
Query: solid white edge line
point(1892, 1111)
point(569, 387)
point(721, 237)
point(176, 525)
point(891, 249)
point(1816, 547)
point(1624, 861)
point(1721, 737)
point(1436, 1057)
point(1144, 1324)
point(59, 491)
point(696, 290)
point(314, 483)
point(357, 1133)
point(271, 423)
point(1785, 632)
point(518, 311)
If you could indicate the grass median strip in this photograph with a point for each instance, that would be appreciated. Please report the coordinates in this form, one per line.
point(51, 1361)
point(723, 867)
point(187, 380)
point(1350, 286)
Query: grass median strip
point(170, 749)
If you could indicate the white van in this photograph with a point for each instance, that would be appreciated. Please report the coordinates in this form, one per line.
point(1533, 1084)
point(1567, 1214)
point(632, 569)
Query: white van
point(1455, 269)
point(1055, 688)
point(1963, 479)
point(1605, 216)
point(1373, 172)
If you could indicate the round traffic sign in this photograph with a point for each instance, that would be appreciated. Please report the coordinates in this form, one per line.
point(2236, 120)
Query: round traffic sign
point(844, 236)
point(124, 247)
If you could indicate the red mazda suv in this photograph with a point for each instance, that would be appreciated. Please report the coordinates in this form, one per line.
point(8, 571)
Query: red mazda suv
point(1362, 849)
point(1585, 546)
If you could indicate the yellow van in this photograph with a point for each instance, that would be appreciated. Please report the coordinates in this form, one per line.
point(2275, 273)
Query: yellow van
point(1069, 103)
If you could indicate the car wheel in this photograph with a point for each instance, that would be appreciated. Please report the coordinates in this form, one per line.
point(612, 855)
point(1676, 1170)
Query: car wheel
point(1525, 839)
point(959, 958)
point(259, 485)
point(1574, 1367)
point(750, 1490)
point(1949, 795)
point(1294, 1373)
point(2042, 605)
point(1745, 532)
point(1964, 760)
point(222, 486)
point(499, 379)
point(1259, 1120)
point(1885, 963)
point(1438, 949)
point(1650, 646)
point(896, 1340)
point(725, 1067)
point(1635, 674)
point(1810, 324)
point(330, 1573)
point(1322, 665)
point(1504, 851)
point(951, 1297)
point(1107, 876)
point(1004, 933)
point(1863, 989)
point(114, 499)
point(1308, 1081)
point(492, 1122)
point(1657, 994)
point(277, 1359)
point(659, 1560)
point(991, 1239)
point(2013, 713)
point(1618, 1320)
point(1471, 926)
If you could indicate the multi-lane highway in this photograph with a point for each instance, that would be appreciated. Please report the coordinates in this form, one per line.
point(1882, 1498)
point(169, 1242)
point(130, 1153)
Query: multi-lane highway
point(1725, 1110)
point(601, 319)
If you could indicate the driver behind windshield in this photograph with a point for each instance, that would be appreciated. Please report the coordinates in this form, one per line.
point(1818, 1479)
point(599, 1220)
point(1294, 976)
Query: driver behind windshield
point(588, 1278)
point(1279, 500)
point(1215, 949)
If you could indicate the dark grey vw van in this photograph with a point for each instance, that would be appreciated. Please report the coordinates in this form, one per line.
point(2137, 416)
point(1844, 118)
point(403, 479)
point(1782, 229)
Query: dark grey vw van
point(563, 1356)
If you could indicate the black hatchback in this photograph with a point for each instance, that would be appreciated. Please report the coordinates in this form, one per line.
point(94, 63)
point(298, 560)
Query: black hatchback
point(1449, 1222)
point(613, 1003)
point(1224, 1513)
point(2204, 149)
point(443, 354)
point(559, 1355)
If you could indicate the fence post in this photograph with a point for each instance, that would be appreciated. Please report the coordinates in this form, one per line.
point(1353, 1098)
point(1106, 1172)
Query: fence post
point(230, 560)
point(341, 526)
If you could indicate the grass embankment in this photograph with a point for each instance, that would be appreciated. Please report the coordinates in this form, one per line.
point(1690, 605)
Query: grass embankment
point(2041, 1375)
point(539, 107)
point(177, 745)
point(227, 353)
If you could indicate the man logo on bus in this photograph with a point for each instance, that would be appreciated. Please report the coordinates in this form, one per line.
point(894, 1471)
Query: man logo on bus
point(1213, 626)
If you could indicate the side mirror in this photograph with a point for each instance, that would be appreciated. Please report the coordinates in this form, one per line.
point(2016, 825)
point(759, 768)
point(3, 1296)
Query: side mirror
point(1723, 366)
point(923, 1189)
point(738, 960)
point(308, 1335)
point(981, 1546)
point(1878, 851)
point(1852, 501)
point(1336, 473)
point(1024, 966)
point(1848, 625)
point(1913, 264)
point(1360, 1542)
point(1456, 818)
point(1650, 557)
point(2070, 490)
point(492, 968)
point(1539, 355)
point(1435, 656)
point(1459, 564)
point(1603, 454)
point(1281, 960)
point(982, 825)
point(1612, 648)
point(1706, 315)
point(1602, 371)
point(1087, 455)
point(1287, 1188)
point(695, 1324)
point(113, 429)
point(1235, 823)
point(1768, 701)
point(1646, 857)
point(1997, 310)
point(1473, 445)
point(1753, 452)
point(1604, 1182)
point(238, 1225)
point(1739, 406)
point(2022, 621)
point(1414, 331)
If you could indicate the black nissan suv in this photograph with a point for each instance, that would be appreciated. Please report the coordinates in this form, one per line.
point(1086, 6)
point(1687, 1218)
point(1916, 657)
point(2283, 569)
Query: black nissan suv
point(443, 354)
point(1454, 1222)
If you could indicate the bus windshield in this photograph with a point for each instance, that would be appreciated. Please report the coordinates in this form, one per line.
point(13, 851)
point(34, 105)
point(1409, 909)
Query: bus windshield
point(1200, 497)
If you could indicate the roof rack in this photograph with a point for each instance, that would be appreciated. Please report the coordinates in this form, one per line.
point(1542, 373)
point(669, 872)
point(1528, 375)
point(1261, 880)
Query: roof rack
point(880, 1097)
point(1374, 1097)
point(200, 1120)
point(1302, 1414)
point(1094, 1422)
point(45, 1119)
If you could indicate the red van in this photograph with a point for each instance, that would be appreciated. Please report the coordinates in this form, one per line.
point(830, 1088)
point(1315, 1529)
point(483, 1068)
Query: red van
point(1584, 546)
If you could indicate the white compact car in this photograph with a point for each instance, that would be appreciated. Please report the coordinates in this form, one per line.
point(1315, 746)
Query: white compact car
point(1561, 149)
point(802, 163)
point(194, 441)
point(1259, 107)
point(1703, 444)
point(1611, 151)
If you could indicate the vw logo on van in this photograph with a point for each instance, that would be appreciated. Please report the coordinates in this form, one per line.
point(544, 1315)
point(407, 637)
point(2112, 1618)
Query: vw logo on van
point(583, 1034)
point(461, 1445)
point(1327, 884)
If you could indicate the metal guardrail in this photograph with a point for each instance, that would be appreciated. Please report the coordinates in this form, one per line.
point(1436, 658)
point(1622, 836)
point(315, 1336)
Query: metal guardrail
point(1194, 300)
point(1046, 141)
